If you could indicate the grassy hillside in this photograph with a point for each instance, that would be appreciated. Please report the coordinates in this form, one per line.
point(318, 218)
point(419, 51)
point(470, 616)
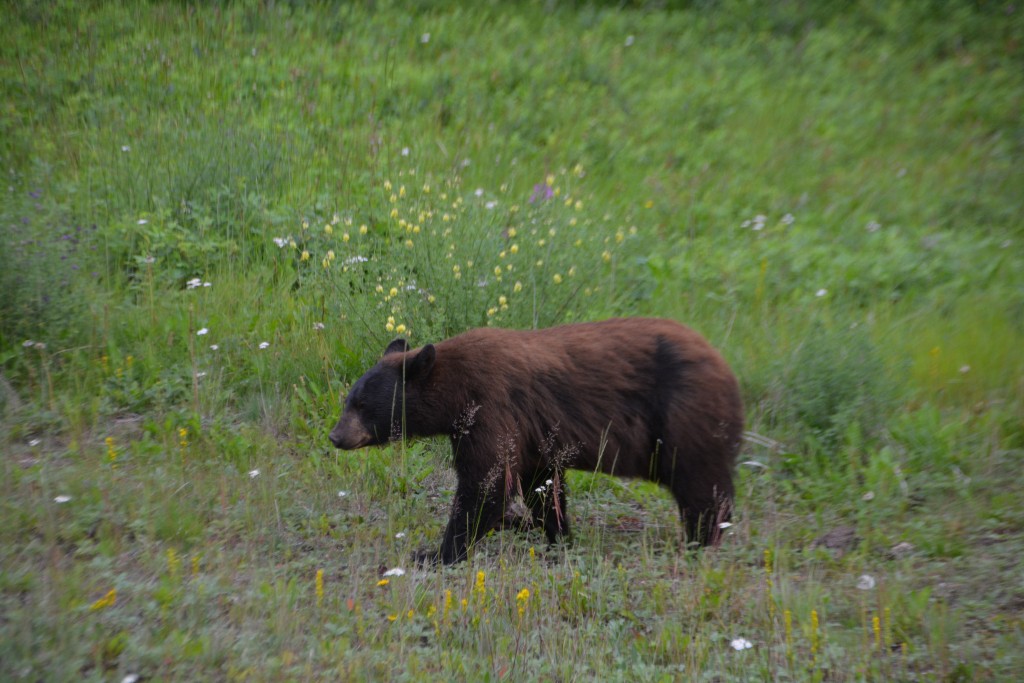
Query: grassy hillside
point(216, 217)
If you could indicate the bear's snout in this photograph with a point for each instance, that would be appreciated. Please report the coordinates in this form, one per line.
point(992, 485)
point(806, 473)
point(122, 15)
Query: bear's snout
point(349, 434)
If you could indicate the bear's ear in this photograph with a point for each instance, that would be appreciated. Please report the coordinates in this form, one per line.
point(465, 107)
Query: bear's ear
point(397, 346)
point(422, 363)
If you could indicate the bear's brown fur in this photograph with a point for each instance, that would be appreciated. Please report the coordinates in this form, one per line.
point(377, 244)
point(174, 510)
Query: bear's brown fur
point(634, 397)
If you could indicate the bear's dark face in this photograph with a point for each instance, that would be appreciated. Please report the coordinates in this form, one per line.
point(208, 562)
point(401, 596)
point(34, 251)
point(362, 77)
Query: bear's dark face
point(374, 406)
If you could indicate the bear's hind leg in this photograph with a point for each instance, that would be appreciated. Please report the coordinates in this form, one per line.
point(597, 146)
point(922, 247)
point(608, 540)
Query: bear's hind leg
point(704, 497)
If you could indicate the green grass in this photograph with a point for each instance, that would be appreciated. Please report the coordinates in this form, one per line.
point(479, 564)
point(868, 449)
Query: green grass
point(831, 195)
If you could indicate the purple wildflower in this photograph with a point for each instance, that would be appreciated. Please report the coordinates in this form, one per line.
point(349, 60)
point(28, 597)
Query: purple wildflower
point(541, 192)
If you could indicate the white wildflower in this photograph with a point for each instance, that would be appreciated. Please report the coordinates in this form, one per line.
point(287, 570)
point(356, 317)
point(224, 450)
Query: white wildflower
point(214, 347)
point(201, 332)
point(741, 644)
point(318, 326)
point(866, 582)
point(62, 499)
point(254, 473)
point(264, 345)
point(397, 571)
point(400, 534)
point(821, 292)
point(342, 494)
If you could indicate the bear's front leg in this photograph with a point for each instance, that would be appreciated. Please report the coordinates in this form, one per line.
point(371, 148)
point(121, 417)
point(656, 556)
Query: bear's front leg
point(475, 511)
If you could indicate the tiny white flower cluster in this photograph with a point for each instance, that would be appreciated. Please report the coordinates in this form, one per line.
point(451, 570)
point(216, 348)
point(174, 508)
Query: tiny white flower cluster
point(756, 223)
point(543, 489)
point(741, 644)
point(354, 260)
point(318, 326)
point(264, 345)
point(283, 242)
point(195, 283)
point(397, 571)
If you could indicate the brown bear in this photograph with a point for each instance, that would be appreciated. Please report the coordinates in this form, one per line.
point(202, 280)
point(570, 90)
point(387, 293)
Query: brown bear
point(633, 397)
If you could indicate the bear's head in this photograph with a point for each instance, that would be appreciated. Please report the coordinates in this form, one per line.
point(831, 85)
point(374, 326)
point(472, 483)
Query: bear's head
point(379, 403)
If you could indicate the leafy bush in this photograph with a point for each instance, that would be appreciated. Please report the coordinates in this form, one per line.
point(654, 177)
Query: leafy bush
point(834, 381)
point(46, 260)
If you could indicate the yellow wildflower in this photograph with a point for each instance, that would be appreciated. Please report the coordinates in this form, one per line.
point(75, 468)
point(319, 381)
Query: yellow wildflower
point(107, 600)
point(522, 597)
